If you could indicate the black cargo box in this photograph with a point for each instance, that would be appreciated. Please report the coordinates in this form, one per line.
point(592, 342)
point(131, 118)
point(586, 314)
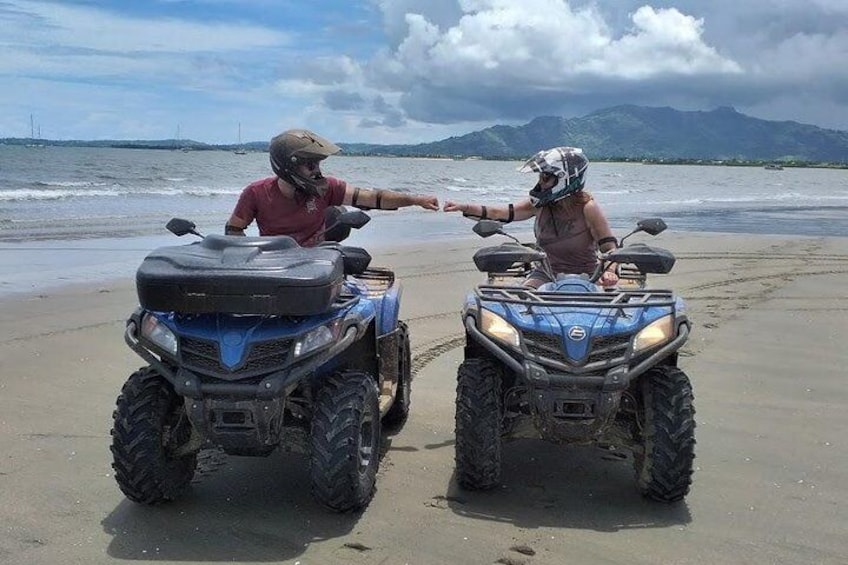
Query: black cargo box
point(241, 275)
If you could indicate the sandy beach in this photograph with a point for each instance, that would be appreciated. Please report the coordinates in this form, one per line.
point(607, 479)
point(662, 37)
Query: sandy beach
point(767, 361)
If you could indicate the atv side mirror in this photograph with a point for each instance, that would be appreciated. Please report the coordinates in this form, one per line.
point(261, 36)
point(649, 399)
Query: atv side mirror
point(652, 226)
point(487, 228)
point(180, 227)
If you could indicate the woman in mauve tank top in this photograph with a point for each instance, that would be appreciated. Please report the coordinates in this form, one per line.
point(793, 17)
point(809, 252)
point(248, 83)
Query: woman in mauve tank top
point(569, 224)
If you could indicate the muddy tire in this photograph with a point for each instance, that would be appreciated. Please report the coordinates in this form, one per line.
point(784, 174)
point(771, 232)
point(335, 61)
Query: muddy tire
point(345, 441)
point(149, 426)
point(396, 417)
point(478, 424)
point(664, 464)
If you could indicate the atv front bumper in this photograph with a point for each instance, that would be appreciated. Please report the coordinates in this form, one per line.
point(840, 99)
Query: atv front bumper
point(243, 418)
point(615, 379)
point(274, 385)
point(568, 408)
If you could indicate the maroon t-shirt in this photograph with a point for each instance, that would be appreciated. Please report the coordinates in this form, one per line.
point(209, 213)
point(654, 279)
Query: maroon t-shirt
point(276, 214)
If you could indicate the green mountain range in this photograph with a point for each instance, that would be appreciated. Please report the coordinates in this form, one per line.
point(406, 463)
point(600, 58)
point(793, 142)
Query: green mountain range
point(640, 133)
point(617, 133)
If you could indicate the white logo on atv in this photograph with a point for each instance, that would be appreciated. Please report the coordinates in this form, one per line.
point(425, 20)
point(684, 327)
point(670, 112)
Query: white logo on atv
point(576, 333)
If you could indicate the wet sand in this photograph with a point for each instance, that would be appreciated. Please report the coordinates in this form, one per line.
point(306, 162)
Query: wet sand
point(767, 361)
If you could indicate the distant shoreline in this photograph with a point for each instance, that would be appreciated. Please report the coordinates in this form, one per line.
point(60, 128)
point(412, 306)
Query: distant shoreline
point(261, 147)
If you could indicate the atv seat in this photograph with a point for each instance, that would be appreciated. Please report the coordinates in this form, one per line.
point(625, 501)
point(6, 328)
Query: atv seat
point(275, 243)
point(356, 259)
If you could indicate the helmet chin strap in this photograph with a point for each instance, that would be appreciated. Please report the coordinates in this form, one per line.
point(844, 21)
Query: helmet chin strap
point(537, 190)
point(306, 186)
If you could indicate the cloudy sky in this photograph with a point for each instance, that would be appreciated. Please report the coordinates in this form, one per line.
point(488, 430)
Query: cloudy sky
point(406, 71)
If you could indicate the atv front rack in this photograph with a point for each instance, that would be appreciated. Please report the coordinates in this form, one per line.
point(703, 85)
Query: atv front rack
point(628, 276)
point(617, 299)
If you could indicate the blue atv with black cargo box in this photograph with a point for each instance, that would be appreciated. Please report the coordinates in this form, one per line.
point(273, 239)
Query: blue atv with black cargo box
point(572, 363)
point(254, 343)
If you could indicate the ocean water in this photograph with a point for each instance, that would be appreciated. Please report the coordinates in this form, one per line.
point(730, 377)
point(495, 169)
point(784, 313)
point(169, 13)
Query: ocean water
point(82, 214)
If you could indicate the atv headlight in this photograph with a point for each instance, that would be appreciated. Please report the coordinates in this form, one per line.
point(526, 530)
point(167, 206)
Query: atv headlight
point(320, 337)
point(493, 325)
point(158, 333)
point(657, 332)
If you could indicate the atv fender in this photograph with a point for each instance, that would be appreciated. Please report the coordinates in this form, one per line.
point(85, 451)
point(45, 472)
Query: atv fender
point(388, 309)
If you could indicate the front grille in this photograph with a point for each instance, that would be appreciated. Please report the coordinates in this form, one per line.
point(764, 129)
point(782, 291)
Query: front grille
point(604, 350)
point(267, 355)
point(203, 356)
point(608, 348)
point(200, 355)
point(546, 346)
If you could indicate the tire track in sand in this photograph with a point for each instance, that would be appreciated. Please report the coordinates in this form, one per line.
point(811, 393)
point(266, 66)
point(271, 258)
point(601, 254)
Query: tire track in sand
point(434, 350)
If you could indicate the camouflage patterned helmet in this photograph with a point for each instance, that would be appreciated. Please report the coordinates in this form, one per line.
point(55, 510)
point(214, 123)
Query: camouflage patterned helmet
point(568, 164)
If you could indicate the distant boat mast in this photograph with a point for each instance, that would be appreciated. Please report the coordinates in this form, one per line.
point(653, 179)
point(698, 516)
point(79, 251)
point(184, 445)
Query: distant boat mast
point(239, 149)
point(34, 141)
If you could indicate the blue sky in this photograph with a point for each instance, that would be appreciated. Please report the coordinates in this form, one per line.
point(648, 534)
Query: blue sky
point(406, 71)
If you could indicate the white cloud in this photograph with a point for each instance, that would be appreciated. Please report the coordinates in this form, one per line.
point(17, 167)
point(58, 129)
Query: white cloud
point(662, 42)
point(501, 60)
point(547, 44)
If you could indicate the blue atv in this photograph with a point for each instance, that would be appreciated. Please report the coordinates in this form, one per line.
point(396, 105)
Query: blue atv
point(575, 364)
point(253, 343)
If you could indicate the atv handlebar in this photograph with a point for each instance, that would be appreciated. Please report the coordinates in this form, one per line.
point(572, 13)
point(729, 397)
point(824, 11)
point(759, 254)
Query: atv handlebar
point(647, 259)
point(338, 221)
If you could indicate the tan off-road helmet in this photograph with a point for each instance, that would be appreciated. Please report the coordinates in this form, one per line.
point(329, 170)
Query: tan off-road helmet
point(294, 147)
point(297, 145)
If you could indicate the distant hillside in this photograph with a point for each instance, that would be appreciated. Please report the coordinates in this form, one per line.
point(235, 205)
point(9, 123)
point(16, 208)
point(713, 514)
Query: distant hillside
point(618, 133)
point(636, 132)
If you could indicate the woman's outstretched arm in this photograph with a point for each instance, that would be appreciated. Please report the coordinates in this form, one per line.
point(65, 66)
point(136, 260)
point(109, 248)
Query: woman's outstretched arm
point(516, 211)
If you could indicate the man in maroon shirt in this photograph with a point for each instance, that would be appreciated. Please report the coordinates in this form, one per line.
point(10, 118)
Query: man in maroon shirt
point(294, 201)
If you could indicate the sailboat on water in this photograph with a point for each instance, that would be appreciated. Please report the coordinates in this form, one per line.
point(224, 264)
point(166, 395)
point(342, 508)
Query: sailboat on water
point(240, 150)
point(34, 141)
point(178, 145)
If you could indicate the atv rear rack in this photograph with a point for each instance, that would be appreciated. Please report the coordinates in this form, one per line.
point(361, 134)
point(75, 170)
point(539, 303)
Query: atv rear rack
point(378, 279)
point(618, 299)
